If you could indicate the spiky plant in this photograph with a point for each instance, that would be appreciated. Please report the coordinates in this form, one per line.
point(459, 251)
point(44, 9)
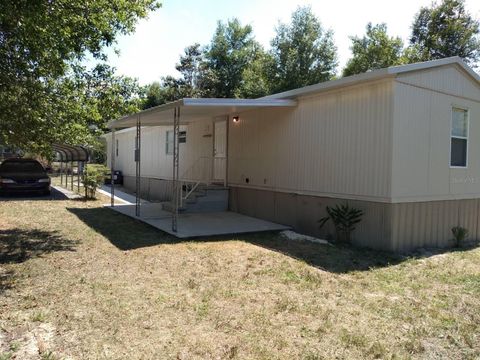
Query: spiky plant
point(344, 218)
point(460, 234)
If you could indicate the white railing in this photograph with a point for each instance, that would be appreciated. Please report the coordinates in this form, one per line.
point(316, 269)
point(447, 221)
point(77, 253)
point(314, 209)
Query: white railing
point(202, 171)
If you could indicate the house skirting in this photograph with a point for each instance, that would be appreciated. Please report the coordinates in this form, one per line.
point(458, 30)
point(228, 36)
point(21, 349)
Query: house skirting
point(151, 189)
point(399, 227)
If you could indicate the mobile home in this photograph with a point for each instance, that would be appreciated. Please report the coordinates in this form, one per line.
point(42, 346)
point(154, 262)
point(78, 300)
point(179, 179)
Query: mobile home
point(400, 143)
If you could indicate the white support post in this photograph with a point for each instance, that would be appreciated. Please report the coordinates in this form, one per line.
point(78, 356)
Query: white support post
point(138, 167)
point(177, 191)
point(112, 169)
point(225, 177)
point(211, 174)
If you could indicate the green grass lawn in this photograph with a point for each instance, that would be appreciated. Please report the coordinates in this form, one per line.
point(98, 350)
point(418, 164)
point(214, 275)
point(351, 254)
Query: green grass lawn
point(78, 281)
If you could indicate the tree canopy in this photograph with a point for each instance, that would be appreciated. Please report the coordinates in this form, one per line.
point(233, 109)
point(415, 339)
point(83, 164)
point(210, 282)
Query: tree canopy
point(43, 90)
point(375, 50)
point(48, 94)
point(303, 52)
point(232, 49)
point(444, 30)
point(170, 88)
point(232, 65)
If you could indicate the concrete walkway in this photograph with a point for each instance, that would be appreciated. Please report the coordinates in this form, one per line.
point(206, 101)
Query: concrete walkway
point(69, 194)
point(120, 195)
point(192, 225)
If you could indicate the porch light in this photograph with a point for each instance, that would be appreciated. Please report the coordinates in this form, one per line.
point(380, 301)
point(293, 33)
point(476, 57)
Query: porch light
point(236, 119)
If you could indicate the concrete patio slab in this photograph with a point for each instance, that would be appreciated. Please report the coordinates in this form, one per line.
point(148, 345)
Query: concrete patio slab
point(191, 225)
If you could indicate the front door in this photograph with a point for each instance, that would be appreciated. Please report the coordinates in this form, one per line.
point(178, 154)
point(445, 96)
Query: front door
point(220, 152)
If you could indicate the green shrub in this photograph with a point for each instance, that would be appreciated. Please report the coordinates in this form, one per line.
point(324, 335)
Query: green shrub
point(460, 234)
point(93, 177)
point(344, 218)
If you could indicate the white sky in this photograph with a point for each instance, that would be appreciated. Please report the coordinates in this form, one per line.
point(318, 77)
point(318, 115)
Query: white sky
point(153, 50)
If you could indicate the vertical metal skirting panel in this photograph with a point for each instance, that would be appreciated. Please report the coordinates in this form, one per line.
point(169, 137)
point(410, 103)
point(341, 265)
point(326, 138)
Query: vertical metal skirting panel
point(303, 212)
point(429, 224)
point(401, 227)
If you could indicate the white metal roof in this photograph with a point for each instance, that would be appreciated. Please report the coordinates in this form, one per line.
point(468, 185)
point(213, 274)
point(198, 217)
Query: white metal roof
point(195, 109)
point(375, 75)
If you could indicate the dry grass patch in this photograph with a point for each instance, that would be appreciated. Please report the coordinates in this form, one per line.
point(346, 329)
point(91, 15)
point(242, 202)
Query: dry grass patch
point(81, 282)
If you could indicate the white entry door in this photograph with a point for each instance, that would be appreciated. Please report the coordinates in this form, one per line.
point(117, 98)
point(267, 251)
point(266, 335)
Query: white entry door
point(220, 151)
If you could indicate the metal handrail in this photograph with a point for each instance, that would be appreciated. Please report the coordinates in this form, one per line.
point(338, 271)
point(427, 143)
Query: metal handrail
point(189, 177)
point(188, 173)
point(189, 181)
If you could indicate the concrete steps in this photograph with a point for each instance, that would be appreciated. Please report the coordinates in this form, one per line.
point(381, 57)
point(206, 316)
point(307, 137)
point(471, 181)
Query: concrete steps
point(204, 199)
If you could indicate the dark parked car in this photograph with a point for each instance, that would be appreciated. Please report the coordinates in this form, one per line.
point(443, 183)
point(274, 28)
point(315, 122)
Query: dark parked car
point(23, 175)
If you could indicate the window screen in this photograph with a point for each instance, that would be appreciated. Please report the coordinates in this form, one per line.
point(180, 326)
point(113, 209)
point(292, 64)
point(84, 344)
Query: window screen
point(459, 139)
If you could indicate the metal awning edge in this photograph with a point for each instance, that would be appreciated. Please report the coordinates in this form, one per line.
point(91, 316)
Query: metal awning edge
point(205, 102)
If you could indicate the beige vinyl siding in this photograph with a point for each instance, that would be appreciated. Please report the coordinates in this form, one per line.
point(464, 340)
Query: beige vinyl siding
point(155, 163)
point(334, 144)
point(421, 146)
point(448, 79)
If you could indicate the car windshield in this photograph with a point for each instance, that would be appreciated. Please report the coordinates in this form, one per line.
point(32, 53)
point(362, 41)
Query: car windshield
point(21, 167)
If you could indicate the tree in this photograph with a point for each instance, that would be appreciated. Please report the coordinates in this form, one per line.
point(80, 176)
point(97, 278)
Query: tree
point(375, 50)
point(106, 95)
point(255, 82)
point(303, 52)
point(444, 30)
point(170, 88)
point(153, 95)
point(230, 52)
point(189, 67)
point(40, 44)
point(167, 90)
point(71, 109)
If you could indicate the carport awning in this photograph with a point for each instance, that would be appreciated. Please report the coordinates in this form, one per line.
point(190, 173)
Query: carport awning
point(196, 109)
point(70, 153)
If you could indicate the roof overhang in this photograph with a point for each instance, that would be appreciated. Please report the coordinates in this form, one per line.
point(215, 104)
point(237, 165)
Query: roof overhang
point(374, 75)
point(196, 109)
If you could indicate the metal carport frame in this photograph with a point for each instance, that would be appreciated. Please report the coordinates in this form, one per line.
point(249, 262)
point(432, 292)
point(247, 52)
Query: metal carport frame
point(69, 153)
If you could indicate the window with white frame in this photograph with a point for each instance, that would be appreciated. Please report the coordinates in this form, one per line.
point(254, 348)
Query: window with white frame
point(169, 143)
point(459, 138)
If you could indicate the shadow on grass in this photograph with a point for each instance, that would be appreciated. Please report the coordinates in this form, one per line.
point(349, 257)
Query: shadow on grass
point(18, 245)
point(122, 231)
point(127, 234)
point(332, 258)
